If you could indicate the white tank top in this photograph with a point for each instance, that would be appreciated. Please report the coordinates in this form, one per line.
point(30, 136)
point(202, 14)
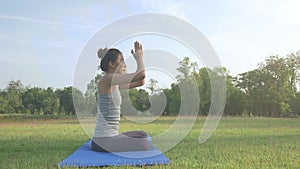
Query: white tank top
point(108, 116)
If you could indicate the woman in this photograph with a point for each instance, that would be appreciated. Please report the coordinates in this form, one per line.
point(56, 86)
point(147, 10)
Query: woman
point(106, 137)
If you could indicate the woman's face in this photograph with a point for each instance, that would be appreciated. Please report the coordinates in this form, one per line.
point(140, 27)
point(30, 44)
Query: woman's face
point(119, 65)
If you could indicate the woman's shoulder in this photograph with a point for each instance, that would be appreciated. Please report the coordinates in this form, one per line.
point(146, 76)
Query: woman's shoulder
point(105, 80)
point(105, 87)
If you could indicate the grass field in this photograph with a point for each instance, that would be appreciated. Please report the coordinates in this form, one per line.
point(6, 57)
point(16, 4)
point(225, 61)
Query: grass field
point(236, 143)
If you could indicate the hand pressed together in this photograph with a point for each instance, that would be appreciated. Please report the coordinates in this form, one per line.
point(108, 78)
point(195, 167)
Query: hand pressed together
point(138, 51)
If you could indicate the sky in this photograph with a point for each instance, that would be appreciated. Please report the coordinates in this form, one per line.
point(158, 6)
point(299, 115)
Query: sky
point(41, 42)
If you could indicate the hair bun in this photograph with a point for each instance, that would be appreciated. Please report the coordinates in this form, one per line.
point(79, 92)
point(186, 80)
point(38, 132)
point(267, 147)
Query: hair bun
point(102, 52)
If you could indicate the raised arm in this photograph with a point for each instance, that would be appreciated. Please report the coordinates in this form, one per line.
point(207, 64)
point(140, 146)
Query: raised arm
point(135, 78)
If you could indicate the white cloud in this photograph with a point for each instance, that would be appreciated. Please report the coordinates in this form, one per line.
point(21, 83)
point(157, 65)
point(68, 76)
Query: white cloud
point(30, 19)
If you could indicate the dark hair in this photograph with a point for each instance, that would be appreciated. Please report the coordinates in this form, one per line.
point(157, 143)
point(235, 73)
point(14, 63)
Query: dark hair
point(106, 57)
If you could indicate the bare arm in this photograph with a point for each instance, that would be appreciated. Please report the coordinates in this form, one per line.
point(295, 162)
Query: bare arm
point(132, 85)
point(127, 79)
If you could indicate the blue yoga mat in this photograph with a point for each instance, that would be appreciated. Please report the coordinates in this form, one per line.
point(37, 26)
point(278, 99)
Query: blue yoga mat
point(84, 156)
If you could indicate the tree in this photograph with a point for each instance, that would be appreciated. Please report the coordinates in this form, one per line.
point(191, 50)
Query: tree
point(92, 88)
point(293, 65)
point(279, 85)
point(31, 99)
point(187, 89)
point(139, 99)
point(295, 106)
point(79, 101)
point(255, 85)
point(50, 103)
point(134, 101)
point(194, 67)
point(270, 88)
point(184, 69)
point(91, 96)
point(204, 91)
point(235, 99)
point(67, 95)
point(3, 102)
point(152, 86)
point(13, 96)
point(173, 100)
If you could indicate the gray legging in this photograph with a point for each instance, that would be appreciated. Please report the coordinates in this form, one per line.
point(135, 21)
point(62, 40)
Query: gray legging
point(128, 141)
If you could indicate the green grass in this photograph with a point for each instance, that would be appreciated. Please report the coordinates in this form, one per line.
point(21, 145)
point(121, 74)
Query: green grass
point(236, 143)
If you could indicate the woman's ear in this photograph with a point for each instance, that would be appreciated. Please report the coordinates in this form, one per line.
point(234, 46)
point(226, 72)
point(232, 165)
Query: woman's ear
point(111, 65)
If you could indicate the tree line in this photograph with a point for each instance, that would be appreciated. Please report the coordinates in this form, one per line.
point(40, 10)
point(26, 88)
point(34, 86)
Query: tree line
point(270, 90)
point(19, 99)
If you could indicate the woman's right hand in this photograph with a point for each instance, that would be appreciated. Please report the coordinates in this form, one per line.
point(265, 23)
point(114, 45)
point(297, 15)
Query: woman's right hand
point(138, 51)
